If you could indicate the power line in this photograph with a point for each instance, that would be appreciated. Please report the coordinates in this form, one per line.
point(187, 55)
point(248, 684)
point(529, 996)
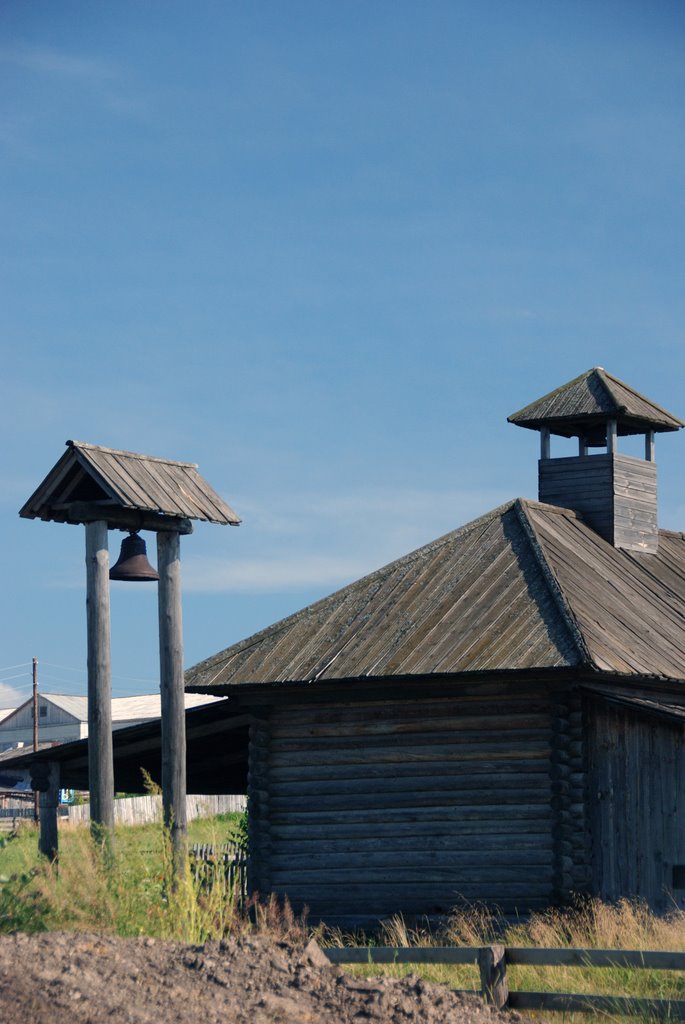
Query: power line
point(23, 665)
point(115, 675)
point(19, 675)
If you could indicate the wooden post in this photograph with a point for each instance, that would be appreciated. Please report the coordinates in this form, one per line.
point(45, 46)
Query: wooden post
point(172, 694)
point(611, 437)
point(582, 446)
point(45, 783)
point(649, 446)
point(100, 756)
point(36, 801)
point(493, 976)
point(544, 443)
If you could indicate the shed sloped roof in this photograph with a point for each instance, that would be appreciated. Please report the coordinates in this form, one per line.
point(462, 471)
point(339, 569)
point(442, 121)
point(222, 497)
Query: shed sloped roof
point(89, 472)
point(528, 586)
point(595, 396)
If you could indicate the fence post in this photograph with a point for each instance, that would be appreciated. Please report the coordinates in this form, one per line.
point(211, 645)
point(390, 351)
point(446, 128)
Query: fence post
point(493, 976)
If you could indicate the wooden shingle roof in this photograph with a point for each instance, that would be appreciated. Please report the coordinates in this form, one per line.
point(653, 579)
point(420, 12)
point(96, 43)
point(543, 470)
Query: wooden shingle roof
point(583, 406)
point(89, 473)
point(527, 586)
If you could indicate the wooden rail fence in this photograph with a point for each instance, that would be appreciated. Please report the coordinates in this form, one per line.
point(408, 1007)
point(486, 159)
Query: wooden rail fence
point(494, 960)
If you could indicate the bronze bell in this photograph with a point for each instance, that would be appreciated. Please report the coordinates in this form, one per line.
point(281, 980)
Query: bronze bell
point(133, 565)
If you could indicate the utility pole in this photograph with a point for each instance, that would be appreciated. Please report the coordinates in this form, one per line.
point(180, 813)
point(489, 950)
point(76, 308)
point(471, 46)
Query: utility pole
point(36, 794)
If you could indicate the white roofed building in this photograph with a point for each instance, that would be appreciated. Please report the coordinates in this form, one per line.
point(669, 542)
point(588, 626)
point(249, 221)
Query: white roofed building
point(64, 717)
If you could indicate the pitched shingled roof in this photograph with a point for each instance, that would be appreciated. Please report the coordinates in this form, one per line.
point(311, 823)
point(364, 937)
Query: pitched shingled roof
point(91, 473)
point(527, 586)
point(590, 399)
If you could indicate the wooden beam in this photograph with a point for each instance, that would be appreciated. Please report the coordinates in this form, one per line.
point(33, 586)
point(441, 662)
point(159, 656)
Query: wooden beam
point(172, 694)
point(118, 518)
point(49, 802)
point(100, 759)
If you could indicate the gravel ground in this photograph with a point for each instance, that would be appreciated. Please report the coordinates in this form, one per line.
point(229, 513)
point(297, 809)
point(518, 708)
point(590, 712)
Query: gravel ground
point(61, 978)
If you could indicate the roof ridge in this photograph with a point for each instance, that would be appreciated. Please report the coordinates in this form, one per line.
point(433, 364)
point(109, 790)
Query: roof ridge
point(643, 398)
point(551, 580)
point(133, 455)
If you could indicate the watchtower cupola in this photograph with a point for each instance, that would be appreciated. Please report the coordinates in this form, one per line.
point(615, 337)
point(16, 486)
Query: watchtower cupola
point(615, 494)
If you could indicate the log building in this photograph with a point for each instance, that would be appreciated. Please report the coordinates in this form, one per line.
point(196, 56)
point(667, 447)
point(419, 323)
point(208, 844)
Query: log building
point(495, 717)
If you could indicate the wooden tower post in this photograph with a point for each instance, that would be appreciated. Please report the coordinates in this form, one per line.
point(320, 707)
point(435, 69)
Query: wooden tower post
point(172, 692)
point(100, 762)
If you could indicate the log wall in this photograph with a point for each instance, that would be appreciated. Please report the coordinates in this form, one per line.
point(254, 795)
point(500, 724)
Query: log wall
point(372, 808)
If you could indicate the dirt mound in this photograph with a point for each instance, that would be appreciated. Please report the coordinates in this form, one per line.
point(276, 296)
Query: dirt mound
point(60, 978)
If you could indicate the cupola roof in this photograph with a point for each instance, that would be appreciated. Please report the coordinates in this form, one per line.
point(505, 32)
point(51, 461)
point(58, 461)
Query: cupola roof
point(582, 407)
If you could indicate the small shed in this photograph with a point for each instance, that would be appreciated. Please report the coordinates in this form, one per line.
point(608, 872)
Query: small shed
point(495, 717)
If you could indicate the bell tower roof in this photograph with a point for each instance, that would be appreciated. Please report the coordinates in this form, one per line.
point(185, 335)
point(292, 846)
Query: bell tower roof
point(582, 407)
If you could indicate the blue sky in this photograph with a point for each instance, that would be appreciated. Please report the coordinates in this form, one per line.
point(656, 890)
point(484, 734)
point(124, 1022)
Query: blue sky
point(323, 250)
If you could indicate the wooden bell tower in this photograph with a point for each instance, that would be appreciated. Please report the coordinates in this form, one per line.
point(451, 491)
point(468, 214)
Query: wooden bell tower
point(106, 489)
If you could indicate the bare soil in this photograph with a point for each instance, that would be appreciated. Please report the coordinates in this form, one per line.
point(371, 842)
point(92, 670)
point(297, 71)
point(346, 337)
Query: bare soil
point(61, 978)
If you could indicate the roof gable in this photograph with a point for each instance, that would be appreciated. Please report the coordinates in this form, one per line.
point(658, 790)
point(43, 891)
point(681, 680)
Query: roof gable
point(126, 480)
point(477, 599)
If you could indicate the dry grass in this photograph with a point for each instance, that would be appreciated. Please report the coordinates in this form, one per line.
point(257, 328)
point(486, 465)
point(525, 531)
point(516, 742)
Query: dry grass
point(590, 923)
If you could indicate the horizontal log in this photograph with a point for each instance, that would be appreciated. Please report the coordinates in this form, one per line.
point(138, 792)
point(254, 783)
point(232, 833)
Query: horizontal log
point(402, 955)
point(487, 724)
point(540, 813)
point(486, 885)
point(433, 783)
point(474, 798)
point(514, 738)
point(451, 861)
point(507, 749)
point(419, 825)
point(414, 841)
point(609, 1006)
point(583, 957)
point(519, 704)
point(118, 518)
point(454, 769)
point(415, 895)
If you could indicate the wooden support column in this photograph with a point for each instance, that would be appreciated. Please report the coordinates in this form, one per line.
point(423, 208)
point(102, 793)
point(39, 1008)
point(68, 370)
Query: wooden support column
point(100, 756)
point(544, 443)
point(611, 437)
point(649, 446)
point(172, 693)
point(45, 782)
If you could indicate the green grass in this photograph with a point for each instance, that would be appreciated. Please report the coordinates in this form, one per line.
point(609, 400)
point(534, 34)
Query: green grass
point(132, 896)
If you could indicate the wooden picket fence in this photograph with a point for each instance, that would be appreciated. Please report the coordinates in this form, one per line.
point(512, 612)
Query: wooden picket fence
point(229, 858)
point(144, 810)
point(494, 960)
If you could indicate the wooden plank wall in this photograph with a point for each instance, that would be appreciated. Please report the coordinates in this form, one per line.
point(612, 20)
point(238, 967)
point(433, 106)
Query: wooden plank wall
point(372, 808)
point(637, 777)
point(583, 483)
point(635, 507)
point(616, 494)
